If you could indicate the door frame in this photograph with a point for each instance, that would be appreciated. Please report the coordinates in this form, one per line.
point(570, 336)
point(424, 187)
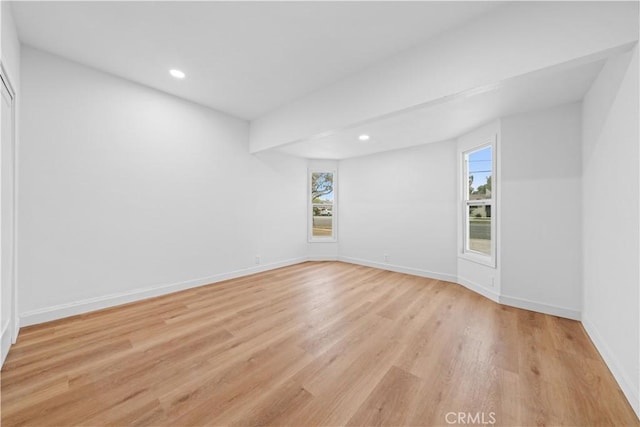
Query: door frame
point(6, 81)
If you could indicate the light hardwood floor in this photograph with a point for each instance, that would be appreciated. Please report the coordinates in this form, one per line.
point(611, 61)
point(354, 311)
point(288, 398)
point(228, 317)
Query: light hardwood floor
point(313, 344)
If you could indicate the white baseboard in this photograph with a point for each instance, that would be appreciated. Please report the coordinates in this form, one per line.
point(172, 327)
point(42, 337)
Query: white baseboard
point(322, 258)
point(631, 393)
point(84, 306)
point(540, 307)
point(5, 341)
point(399, 269)
point(16, 329)
point(472, 286)
point(479, 289)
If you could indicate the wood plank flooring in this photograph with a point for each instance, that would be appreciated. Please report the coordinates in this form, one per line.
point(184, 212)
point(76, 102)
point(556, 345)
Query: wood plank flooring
point(312, 344)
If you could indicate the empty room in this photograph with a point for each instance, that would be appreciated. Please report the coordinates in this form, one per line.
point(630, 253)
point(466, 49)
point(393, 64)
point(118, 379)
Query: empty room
point(420, 213)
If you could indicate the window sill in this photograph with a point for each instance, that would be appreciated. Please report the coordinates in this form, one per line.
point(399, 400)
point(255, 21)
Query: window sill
point(321, 240)
point(478, 259)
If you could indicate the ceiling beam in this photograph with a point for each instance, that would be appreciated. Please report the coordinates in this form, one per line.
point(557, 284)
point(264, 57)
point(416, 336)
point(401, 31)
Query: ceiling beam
point(509, 41)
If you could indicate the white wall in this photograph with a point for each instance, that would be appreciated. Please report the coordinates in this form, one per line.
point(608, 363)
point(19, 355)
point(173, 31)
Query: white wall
point(611, 304)
point(10, 54)
point(511, 40)
point(278, 187)
point(541, 220)
point(403, 204)
point(127, 192)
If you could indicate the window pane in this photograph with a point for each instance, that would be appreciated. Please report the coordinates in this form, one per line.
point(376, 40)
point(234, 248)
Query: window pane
point(479, 170)
point(322, 220)
point(322, 204)
point(479, 229)
point(322, 187)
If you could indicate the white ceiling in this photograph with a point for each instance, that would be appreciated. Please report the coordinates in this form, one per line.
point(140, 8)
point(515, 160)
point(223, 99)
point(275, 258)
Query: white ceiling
point(243, 58)
point(454, 115)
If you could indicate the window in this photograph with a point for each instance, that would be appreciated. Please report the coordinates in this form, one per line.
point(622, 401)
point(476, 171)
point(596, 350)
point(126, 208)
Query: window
point(478, 204)
point(322, 218)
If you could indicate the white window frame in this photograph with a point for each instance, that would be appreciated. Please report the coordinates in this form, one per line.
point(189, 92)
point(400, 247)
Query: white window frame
point(471, 255)
point(334, 210)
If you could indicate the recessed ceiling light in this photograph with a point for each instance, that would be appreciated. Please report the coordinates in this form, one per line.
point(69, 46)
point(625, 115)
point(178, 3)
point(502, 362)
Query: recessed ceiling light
point(364, 137)
point(177, 74)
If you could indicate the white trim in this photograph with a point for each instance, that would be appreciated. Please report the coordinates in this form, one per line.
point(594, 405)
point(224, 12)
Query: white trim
point(612, 362)
point(13, 326)
point(91, 304)
point(5, 342)
point(479, 289)
point(477, 257)
point(322, 258)
point(399, 269)
point(4, 328)
point(16, 328)
point(540, 307)
point(519, 302)
point(7, 80)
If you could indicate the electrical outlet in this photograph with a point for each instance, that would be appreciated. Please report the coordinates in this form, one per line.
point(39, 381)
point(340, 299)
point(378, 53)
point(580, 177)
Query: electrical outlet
point(386, 257)
point(258, 259)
